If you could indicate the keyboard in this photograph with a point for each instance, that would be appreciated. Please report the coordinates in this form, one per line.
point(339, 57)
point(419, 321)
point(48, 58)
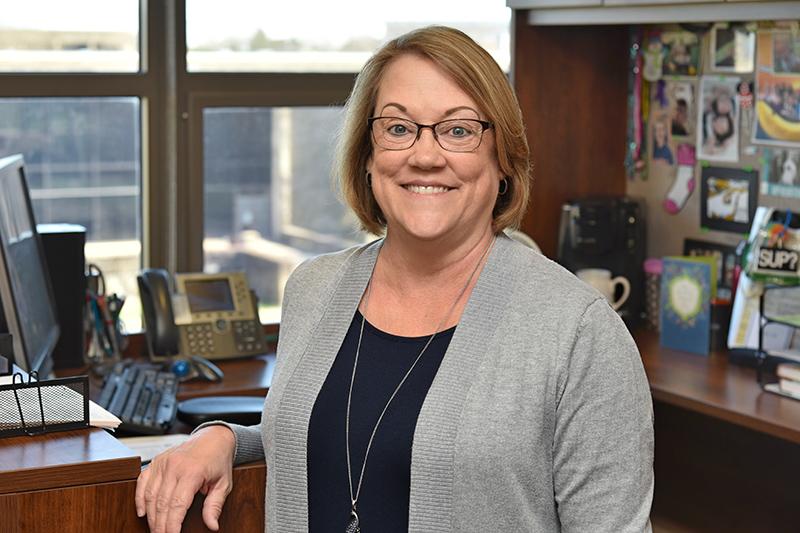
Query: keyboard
point(142, 396)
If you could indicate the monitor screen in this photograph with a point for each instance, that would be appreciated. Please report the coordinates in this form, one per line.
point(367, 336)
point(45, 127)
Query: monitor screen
point(209, 295)
point(28, 311)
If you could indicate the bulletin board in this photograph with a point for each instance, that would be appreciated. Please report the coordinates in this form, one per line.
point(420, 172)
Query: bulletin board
point(714, 128)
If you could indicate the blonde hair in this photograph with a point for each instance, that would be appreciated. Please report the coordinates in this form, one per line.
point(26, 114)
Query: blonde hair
point(476, 72)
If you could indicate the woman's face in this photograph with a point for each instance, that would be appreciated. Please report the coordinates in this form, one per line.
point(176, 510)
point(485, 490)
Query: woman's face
point(721, 125)
point(426, 192)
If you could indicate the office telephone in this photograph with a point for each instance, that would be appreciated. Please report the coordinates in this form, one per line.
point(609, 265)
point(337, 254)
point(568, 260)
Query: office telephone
point(214, 316)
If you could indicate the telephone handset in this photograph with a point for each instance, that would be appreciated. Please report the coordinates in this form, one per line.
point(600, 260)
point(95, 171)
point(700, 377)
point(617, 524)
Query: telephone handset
point(211, 315)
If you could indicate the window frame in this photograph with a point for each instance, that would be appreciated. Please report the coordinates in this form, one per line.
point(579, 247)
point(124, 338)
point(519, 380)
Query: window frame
point(172, 103)
point(149, 86)
point(197, 91)
point(171, 113)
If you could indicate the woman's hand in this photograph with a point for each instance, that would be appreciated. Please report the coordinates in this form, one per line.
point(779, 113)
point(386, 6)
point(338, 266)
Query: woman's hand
point(166, 488)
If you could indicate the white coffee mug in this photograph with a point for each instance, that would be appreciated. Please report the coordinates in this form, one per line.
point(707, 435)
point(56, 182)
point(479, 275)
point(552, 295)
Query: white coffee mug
point(601, 279)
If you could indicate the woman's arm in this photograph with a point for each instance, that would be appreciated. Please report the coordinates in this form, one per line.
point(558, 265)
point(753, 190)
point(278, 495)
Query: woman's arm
point(603, 442)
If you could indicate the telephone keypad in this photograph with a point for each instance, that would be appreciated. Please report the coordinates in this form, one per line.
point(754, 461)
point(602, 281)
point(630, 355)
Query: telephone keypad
point(248, 336)
point(200, 339)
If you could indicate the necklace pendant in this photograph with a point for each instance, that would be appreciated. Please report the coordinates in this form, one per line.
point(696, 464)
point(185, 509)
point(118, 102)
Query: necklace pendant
point(352, 524)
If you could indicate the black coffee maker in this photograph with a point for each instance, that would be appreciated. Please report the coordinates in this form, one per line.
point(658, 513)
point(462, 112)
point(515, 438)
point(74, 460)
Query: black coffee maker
point(607, 232)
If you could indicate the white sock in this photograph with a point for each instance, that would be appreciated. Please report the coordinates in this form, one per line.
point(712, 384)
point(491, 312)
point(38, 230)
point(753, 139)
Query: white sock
point(684, 182)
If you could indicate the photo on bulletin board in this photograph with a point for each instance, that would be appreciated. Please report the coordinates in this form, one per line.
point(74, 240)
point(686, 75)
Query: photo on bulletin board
point(681, 53)
point(728, 198)
point(718, 122)
point(777, 89)
point(661, 151)
point(724, 257)
point(746, 100)
point(680, 95)
point(786, 52)
point(780, 172)
point(732, 49)
point(777, 110)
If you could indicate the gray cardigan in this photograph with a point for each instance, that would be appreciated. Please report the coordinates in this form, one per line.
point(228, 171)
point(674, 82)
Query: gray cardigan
point(539, 418)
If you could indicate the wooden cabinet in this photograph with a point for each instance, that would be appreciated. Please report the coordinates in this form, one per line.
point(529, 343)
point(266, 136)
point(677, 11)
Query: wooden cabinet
point(572, 86)
point(85, 480)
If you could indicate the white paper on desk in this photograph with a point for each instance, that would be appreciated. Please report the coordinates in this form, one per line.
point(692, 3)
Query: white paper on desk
point(149, 446)
point(100, 418)
point(63, 395)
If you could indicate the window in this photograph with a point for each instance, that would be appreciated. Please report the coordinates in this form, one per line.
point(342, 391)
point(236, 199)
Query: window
point(78, 124)
point(82, 161)
point(268, 194)
point(265, 37)
point(75, 36)
point(193, 141)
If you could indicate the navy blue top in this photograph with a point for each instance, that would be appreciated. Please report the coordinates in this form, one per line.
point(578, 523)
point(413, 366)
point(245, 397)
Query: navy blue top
point(383, 361)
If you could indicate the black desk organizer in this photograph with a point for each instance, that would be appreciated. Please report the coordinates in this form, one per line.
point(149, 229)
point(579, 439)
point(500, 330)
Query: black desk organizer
point(769, 314)
point(36, 407)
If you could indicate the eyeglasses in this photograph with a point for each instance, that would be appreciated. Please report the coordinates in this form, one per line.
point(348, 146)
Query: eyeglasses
point(454, 135)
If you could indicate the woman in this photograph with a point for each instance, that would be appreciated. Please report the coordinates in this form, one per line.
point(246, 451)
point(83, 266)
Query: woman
point(444, 378)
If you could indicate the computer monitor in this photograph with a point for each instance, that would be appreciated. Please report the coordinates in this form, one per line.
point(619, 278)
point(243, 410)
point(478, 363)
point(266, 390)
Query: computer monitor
point(28, 306)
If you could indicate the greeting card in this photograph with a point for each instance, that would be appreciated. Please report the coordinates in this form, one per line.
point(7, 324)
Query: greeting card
point(688, 284)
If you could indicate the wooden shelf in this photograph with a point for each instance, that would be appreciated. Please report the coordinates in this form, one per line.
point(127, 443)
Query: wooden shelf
point(714, 387)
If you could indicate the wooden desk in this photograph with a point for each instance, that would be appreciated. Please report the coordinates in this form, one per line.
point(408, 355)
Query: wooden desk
point(727, 454)
point(85, 480)
point(713, 387)
point(727, 458)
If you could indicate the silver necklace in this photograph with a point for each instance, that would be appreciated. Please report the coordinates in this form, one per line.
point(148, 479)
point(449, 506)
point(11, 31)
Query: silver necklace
point(353, 524)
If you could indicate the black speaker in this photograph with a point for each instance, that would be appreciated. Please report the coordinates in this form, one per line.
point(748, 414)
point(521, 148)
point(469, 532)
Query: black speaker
point(66, 263)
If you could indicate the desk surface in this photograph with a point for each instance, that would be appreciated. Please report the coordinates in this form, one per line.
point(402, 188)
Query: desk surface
point(64, 459)
point(714, 387)
point(243, 377)
point(707, 385)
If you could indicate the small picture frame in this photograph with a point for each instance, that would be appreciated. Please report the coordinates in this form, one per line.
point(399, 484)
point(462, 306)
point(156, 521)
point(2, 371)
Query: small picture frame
point(728, 198)
point(786, 52)
point(724, 257)
point(732, 48)
point(680, 95)
point(681, 53)
point(780, 172)
point(718, 121)
point(661, 151)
